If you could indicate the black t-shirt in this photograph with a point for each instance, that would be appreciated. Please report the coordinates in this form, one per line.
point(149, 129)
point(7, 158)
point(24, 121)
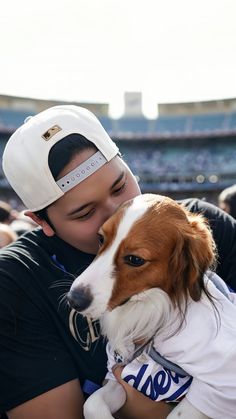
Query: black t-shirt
point(223, 227)
point(43, 343)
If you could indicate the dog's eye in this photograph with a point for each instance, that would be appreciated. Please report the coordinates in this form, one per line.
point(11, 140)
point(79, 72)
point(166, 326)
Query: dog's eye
point(133, 260)
point(101, 239)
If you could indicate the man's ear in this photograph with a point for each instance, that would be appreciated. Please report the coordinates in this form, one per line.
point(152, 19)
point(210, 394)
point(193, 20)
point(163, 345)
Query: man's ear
point(47, 229)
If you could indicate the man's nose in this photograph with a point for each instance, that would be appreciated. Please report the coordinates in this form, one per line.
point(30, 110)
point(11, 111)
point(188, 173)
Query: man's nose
point(109, 209)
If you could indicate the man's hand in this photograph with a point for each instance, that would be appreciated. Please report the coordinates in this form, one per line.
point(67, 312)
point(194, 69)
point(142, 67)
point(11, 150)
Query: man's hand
point(137, 405)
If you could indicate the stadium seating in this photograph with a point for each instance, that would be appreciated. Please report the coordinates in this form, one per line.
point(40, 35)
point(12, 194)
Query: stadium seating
point(168, 153)
point(12, 119)
point(183, 165)
point(126, 126)
point(232, 121)
point(168, 125)
point(207, 122)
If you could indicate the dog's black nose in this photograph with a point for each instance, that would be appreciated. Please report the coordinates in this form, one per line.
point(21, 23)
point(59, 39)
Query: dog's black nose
point(80, 298)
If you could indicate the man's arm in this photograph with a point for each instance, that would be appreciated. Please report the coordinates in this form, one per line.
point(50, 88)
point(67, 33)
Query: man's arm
point(63, 402)
point(138, 406)
point(66, 402)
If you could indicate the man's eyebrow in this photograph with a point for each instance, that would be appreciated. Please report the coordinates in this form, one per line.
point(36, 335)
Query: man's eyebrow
point(74, 211)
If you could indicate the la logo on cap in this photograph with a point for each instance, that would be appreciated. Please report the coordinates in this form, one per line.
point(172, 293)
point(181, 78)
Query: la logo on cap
point(51, 132)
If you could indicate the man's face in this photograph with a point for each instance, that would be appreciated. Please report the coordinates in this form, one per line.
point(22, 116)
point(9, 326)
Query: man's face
point(78, 215)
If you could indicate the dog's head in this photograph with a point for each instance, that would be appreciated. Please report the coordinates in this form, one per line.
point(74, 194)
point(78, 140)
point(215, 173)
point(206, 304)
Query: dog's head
point(150, 242)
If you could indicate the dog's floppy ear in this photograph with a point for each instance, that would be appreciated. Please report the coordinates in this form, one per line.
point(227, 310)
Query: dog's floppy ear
point(193, 254)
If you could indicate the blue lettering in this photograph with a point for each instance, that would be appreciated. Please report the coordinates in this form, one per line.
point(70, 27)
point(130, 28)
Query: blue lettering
point(148, 388)
point(162, 383)
point(159, 384)
point(180, 391)
point(138, 378)
point(175, 376)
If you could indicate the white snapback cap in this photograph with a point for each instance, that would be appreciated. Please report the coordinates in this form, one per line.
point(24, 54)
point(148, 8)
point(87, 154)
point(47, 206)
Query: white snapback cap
point(25, 158)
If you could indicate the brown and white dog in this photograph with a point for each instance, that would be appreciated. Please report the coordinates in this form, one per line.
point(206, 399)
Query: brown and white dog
point(149, 282)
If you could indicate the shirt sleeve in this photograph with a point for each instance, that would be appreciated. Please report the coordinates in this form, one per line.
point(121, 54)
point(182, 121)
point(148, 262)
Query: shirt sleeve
point(223, 227)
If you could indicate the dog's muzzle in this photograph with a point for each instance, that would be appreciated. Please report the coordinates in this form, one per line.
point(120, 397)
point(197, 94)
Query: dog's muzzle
point(80, 298)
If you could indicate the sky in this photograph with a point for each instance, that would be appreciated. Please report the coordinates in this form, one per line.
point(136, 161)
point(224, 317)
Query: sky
point(95, 50)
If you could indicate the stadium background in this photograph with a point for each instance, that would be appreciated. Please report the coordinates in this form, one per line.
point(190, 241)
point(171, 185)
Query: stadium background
point(188, 150)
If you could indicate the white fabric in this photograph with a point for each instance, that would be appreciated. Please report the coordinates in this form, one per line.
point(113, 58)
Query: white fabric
point(205, 347)
point(81, 172)
point(185, 410)
point(151, 378)
point(25, 158)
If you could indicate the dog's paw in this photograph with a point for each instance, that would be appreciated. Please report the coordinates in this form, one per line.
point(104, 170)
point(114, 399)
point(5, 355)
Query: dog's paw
point(94, 411)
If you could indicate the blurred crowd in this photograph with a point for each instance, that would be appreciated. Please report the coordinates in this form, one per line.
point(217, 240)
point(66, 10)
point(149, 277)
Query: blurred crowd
point(218, 159)
point(13, 224)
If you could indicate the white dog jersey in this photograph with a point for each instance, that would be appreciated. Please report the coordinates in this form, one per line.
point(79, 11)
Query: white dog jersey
point(205, 347)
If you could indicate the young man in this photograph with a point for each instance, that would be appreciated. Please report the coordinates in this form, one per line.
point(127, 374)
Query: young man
point(69, 175)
